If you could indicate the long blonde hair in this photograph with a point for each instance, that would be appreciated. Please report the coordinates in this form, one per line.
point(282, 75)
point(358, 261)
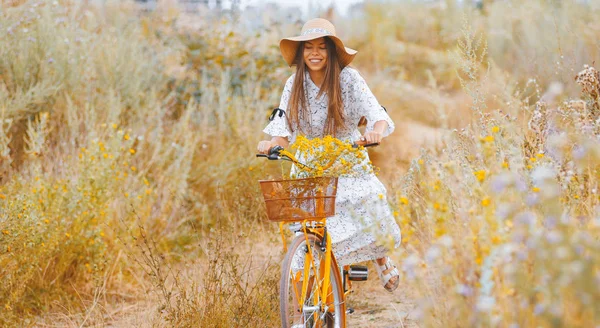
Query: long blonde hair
point(297, 106)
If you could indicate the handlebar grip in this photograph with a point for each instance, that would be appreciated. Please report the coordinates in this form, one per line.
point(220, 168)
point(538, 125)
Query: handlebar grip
point(275, 150)
point(364, 144)
point(273, 153)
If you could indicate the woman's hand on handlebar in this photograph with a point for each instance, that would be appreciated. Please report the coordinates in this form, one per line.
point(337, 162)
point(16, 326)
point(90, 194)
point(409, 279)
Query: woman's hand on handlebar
point(264, 146)
point(376, 135)
point(372, 137)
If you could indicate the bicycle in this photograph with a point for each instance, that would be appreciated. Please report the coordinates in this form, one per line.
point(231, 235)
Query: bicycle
point(313, 288)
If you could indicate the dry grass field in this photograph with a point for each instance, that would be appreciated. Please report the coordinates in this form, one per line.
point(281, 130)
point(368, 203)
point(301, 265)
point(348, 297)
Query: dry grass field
point(128, 182)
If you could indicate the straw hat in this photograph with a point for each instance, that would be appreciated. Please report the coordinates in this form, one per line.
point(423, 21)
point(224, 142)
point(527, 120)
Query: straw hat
point(314, 29)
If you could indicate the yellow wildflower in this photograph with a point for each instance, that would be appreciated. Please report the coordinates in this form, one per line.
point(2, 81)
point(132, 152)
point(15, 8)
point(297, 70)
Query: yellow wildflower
point(535, 189)
point(132, 151)
point(495, 129)
point(126, 136)
point(440, 231)
point(486, 201)
point(403, 200)
point(480, 175)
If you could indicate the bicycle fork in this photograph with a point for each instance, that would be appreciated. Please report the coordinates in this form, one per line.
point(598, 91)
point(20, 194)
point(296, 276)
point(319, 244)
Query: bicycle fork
point(321, 303)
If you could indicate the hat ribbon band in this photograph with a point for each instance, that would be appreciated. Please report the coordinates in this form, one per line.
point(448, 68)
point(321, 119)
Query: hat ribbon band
point(316, 30)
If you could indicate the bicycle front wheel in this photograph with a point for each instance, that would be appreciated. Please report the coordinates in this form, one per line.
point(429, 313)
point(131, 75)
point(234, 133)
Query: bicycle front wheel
point(311, 310)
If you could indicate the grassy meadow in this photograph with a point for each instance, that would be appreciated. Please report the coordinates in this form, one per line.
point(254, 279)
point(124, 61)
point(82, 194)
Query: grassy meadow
point(128, 183)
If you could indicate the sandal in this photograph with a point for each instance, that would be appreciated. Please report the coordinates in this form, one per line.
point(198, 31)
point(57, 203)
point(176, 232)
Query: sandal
point(386, 277)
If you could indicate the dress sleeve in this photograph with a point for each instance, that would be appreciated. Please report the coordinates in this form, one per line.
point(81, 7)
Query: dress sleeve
point(279, 127)
point(367, 105)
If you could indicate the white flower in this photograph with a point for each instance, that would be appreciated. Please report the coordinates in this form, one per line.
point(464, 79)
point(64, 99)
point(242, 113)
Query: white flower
point(525, 218)
point(485, 304)
point(446, 241)
point(464, 290)
point(542, 174)
point(432, 254)
point(554, 237)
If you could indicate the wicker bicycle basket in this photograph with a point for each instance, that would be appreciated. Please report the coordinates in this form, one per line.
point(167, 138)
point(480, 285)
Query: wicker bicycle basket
point(299, 199)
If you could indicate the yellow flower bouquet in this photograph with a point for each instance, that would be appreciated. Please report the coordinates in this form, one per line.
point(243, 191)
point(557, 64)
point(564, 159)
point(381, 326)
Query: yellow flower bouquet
point(327, 157)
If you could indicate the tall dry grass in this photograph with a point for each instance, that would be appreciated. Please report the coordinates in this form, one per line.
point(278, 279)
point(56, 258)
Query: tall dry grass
point(102, 133)
point(501, 227)
point(126, 145)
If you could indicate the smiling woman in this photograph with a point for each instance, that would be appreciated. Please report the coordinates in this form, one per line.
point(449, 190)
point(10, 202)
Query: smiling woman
point(326, 97)
point(315, 57)
point(320, 60)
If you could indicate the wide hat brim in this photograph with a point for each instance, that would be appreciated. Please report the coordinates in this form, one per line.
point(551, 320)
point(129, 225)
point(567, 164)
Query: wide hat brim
point(289, 47)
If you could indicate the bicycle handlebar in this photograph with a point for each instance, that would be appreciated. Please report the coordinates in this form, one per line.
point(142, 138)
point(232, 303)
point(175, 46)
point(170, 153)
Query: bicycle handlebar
point(364, 144)
point(274, 152)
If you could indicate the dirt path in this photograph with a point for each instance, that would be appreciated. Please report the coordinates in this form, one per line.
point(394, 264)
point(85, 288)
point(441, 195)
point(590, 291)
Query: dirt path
point(375, 307)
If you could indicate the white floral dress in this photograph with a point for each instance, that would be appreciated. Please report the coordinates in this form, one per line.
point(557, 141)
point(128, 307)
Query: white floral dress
point(363, 216)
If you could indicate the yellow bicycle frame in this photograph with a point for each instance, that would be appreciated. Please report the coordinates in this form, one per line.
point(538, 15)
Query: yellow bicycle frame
point(323, 283)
